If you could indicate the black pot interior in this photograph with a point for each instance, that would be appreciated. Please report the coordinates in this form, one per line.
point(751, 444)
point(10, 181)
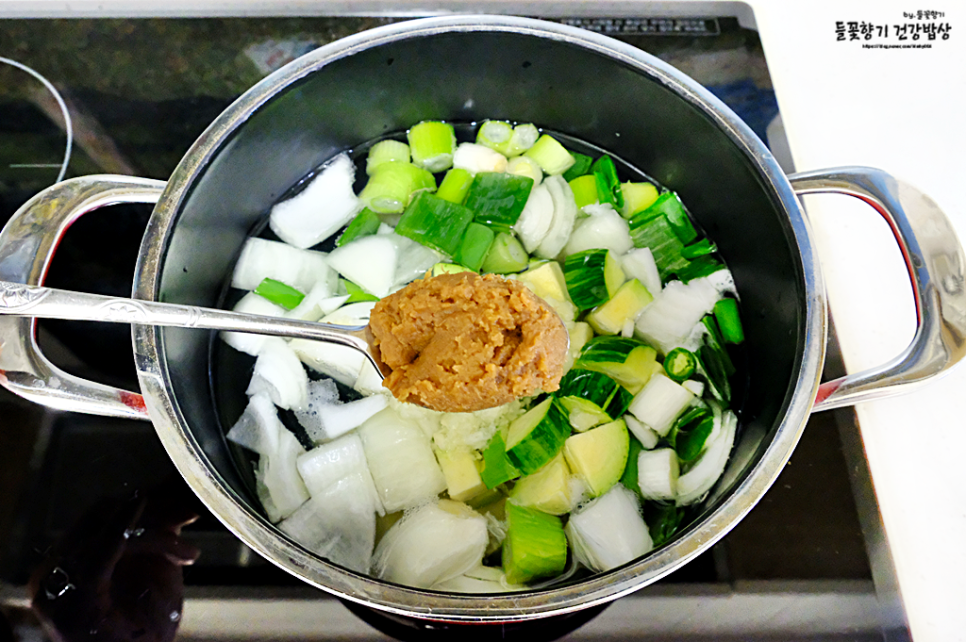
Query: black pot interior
point(466, 77)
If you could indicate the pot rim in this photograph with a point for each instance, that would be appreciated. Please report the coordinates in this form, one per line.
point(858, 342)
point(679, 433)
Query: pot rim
point(271, 543)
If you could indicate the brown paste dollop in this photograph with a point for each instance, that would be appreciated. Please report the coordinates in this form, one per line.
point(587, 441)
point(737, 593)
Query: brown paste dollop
point(464, 342)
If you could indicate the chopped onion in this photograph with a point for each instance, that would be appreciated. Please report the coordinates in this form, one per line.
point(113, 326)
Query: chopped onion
point(258, 427)
point(279, 373)
point(353, 314)
point(369, 262)
point(605, 229)
point(535, 219)
point(252, 303)
point(342, 363)
point(317, 303)
point(401, 461)
point(318, 211)
point(639, 264)
point(432, 544)
point(338, 524)
point(325, 422)
point(478, 158)
point(659, 403)
point(263, 259)
point(564, 215)
point(609, 531)
point(369, 381)
point(668, 321)
point(412, 259)
point(280, 486)
point(647, 436)
point(657, 473)
point(324, 465)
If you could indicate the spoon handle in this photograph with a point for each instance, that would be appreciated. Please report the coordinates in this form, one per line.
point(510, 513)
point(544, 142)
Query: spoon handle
point(17, 299)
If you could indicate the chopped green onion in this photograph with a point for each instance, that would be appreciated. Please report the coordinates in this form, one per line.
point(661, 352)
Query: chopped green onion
point(581, 166)
point(671, 206)
point(629, 478)
point(356, 293)
point(585, 190)
point(714, 363)
point(726, 314)
point(679, 364)
point(608, 185)
point(474, 247)
point(552, 157)
point(699, 248)
point(699, 267)
point(637, 198)
point(593, 277)
point(391, 186)
point(497, 199)
point(448, 268)
point(432, 144)
point(506, 255)
point(524, 136)
point(663, 521)
point(497, 468)
point(386, 151)
point(525, 166)
point(366, 223)
point(535, 545)
point(455, 185)
point(435, 223)
point(495, 134)
point(279, 293)
point(656, 233)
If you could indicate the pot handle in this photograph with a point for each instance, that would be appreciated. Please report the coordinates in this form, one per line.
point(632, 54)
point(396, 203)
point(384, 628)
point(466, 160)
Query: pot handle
point(936, 264)
point(27, 245)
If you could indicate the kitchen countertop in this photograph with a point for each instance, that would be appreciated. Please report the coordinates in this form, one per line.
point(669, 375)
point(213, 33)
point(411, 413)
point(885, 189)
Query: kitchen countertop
point(842, 104)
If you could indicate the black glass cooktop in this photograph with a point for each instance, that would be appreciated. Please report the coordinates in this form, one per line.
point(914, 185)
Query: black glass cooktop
point(139, 93)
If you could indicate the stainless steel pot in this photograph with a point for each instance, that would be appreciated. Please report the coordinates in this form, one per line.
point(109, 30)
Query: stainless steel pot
point(464, 69)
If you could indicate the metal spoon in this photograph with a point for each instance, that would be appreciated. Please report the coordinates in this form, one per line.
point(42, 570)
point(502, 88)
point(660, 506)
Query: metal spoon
point(17, 299)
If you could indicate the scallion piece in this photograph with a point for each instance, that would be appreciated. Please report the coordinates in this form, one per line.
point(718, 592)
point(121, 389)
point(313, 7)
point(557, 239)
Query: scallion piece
point(698, 268)
point(366, 223)
point(608, 185)
point(432, 144)
point(655, 232)
point(698, 248)
point(726, 314)
point(663, 521)
point(581, 166)
point(497, 199)
point(637, 197)
point(535, 545)
point(356, 293)
point(714, 363)
point(585, 190)
point(495, 134)
point(552, 157)
point(523, 138)
point(386, 151)
point(497, 468)
point(506, 255)
point(392, 185)
point(525, 166)
point(679, 364)
point(474, 246)
point(454, 186)
point(671, 206)
point(279, 293)
point(435, 223)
